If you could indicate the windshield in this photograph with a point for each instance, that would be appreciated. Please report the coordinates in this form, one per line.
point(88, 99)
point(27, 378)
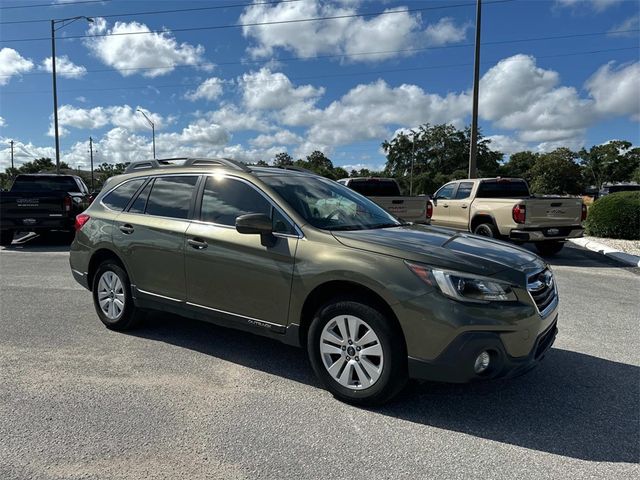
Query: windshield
point(328, 205)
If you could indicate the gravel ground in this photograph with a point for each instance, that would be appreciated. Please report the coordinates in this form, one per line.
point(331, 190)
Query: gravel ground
point(181, 399)
point(631, 247)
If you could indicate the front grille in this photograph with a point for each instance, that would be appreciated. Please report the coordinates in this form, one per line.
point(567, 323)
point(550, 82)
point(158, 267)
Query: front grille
point(542, 288)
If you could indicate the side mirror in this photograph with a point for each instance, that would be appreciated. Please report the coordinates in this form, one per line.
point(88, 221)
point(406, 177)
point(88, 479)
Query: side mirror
point(254, 223)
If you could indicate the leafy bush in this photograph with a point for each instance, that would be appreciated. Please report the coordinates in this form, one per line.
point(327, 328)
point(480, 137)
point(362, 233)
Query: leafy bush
point(615, 216)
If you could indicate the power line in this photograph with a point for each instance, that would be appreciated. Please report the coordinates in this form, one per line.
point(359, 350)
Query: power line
point(334, 75)
point(345, 55)
point(162, 12)
point(12, 7)
point(261, 24)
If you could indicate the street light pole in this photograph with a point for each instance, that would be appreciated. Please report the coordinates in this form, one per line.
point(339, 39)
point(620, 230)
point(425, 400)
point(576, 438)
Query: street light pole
point(55, 94)
point(91, 153)
point(473, 150)
point(153, 131)
point(53, 73)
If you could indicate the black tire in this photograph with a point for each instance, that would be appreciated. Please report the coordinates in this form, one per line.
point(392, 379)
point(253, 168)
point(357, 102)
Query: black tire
point(393, 376)
point(549, 248)
point(486, 230)
point(130, 315)
point(6, 237)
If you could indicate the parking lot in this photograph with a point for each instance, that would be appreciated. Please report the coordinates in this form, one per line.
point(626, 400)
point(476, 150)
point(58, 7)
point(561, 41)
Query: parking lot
point(181, 399)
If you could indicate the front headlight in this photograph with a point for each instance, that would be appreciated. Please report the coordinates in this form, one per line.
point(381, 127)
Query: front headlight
point(464, 286)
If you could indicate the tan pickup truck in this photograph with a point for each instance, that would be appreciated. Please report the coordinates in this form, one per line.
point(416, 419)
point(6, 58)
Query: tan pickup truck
point(386, 193)
point(504, 208)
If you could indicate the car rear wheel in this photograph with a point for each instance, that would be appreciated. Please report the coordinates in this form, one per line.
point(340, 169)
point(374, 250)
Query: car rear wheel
point(6, 237)
point(486, 230)
point(112, 297)
point(357, 353)
point(549, 248)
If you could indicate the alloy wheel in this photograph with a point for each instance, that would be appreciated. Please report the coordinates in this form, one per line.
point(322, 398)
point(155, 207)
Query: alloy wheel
point(351, 352)
point(111, 295)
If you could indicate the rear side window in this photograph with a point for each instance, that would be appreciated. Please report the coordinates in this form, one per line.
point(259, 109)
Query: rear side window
point(375, 187)
point(45, 183)
point(502, 189)
point(171, 196)
point(445, 192)
point(119, 197)
point(225, 199)
point(464, 190)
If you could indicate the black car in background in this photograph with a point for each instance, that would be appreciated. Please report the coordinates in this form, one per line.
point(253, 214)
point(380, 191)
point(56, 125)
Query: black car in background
point(41, 203)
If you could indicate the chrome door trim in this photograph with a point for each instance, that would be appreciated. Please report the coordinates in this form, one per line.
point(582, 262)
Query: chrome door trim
point(257, 321)
point(158, 295)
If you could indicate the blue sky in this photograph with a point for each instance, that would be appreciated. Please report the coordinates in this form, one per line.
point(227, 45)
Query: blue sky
point(342, 86)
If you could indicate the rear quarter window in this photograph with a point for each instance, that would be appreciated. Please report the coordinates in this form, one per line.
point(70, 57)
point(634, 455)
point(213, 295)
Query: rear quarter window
point(118, 198)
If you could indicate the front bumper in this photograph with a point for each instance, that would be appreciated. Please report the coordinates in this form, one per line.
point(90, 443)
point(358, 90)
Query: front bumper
point(455, 363)
point(542, 234)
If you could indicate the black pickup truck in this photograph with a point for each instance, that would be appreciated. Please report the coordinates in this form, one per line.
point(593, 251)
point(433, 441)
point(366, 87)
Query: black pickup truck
point(41, 203)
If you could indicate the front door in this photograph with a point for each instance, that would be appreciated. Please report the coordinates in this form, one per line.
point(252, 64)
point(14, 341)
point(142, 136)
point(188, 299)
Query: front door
point(440, 201)
point(459, 206)
point(233, 273)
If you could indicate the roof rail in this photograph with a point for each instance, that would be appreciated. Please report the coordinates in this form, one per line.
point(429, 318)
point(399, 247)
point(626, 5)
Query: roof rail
point(186, 162)
point(294, 168)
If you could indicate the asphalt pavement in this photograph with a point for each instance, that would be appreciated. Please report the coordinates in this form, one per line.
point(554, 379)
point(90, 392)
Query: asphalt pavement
point(182, 399)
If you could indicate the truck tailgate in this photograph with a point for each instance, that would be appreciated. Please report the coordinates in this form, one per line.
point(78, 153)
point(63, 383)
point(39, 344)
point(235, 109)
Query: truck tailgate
point(31, 209)
point(411, 209)
point(553, 212)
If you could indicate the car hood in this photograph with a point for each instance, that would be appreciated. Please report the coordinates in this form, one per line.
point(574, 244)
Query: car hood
point(443, 248)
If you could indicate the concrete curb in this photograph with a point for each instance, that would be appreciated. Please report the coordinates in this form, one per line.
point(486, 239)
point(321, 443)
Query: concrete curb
point(626, 258)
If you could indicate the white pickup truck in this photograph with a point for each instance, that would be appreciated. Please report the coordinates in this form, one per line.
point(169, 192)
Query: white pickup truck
point(504, 208)
point(386, 193)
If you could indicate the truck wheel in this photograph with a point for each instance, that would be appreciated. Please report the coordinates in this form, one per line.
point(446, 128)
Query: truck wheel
point(6, 237)
point(112, 297)
point(549, 248)
point(357, 353)
point(486, 230)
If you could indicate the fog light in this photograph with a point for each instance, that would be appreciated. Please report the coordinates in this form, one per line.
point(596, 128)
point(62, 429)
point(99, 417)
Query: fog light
point(482, 362)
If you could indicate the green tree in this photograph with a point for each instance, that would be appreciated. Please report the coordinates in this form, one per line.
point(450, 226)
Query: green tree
point(437, 152)
point(520, 165)
point(614, 161)
point(283, 159)
point(40, 165)
point(557, 173)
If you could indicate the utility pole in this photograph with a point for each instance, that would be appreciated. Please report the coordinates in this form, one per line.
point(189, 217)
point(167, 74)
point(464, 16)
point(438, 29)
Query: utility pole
point(11, 143)
point(473, 150)
point(91, 152)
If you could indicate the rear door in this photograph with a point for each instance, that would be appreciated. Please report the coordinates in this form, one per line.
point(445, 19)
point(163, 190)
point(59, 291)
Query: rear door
point(236, 274)
point(459, 206)
point(150, 235)
point(440, 201)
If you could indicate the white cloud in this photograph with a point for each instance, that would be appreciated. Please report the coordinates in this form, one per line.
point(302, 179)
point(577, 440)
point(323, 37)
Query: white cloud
point(282, 137)
point(158, 53)
point(616, 91)
point(506, 144)
point(234, 120)
point(64, 67)
point(2, 122)
point(387, 32)
point(22, 152)
point(264, 90)
point(97, 117)
point(597, 5)
point(445, 32)
point(12, 63)
point(199, 133)
point(621, 29)
point(210, 89)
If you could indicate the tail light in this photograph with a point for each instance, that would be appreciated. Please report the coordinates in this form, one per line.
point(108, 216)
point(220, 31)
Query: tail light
point(429, 209)
point(584, 213)
point(81, 220)
point(66, 203)
point(519, 213)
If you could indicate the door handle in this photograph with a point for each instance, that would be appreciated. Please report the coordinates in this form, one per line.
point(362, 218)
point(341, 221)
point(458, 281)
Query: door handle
point(197, 243)
point(464, 206)
point(126, 228)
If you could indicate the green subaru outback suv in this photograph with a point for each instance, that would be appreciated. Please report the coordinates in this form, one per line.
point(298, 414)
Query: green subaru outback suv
point(296, 257)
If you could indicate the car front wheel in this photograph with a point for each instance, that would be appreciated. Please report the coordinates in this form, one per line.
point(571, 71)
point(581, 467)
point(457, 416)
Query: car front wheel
point(112, 297)
point(357, 352)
